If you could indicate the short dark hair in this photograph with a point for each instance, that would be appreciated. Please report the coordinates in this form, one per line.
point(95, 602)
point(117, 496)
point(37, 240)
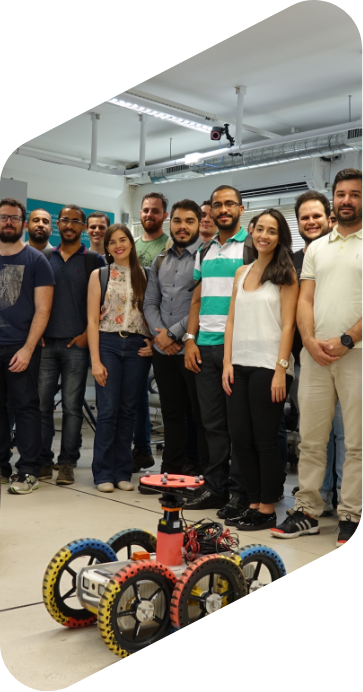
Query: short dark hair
point(156, 195)
point(11, 202)
point(99, 215)
point(189, 205)
point(312, 195)
point(228, 187)
point(39, 209)
point(280, 270)
point(346, 174)
point(77, 208)
point(206, 203)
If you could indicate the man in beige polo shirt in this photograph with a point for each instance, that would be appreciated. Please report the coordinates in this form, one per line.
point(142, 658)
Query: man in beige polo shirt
point(329, 317)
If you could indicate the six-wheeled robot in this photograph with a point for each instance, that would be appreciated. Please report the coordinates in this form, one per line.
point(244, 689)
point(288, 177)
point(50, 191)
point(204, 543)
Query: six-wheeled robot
point(139, 588)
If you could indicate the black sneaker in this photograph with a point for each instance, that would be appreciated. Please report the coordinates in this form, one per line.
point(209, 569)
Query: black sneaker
point(254, 520)
point(190, 469)
point(346, 529)
point(206, 500)
point(296, 524)
point(234, 508)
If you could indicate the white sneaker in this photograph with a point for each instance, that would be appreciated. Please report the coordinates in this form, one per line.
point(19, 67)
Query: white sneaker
point(106, 487)
point(125, 485)
point(22, 484)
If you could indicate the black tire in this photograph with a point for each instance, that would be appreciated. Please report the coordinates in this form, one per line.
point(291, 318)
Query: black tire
point(134, 609)
point(261, 566)
point(126, 542)
point(59, 582)
point(210, 583)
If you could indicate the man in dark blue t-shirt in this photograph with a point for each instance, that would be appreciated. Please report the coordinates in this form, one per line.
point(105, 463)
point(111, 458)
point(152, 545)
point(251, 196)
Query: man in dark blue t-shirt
point(26, 292)
point(65, 351)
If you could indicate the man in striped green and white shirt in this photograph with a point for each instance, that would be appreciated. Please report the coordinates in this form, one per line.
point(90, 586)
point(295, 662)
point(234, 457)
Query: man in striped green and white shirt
point(204, 350)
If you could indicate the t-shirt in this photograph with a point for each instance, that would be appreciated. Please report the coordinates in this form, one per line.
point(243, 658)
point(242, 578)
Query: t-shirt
point(217, 272)
point(147, 250)
point(69, 310)
point(20, 274)
point(335, 264)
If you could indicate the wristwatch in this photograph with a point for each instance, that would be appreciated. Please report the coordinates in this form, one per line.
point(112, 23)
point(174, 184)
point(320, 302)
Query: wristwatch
point(187, 336)
point(347, 340)
point(171, 335)
point(284, 363)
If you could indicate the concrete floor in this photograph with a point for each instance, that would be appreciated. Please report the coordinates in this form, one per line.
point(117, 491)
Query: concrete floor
point(35, 527)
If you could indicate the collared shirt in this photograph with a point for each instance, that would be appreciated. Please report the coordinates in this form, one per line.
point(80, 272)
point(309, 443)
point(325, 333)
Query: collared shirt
point(217, 272)
point(167, 299)
point(334, 262)
point(68, 317)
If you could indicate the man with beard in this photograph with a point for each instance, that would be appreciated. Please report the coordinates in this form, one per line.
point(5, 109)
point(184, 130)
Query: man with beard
point(166, 308)
point(26, 292)
point(152, 215)
point(204, 350)
point(39, 229)
point(329, 317)
point(65, 350)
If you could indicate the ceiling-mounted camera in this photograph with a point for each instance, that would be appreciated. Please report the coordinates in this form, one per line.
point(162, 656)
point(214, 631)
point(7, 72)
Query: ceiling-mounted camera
point(216, 133)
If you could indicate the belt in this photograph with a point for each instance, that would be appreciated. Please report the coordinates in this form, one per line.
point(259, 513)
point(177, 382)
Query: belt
point(125, 334)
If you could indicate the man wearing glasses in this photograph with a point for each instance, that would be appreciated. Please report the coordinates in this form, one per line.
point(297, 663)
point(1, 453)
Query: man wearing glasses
point(26, 292)
point(204, 348)
point(65, 350)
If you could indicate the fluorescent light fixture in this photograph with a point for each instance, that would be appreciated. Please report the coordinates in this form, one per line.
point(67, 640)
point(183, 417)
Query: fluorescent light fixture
point(199, 127)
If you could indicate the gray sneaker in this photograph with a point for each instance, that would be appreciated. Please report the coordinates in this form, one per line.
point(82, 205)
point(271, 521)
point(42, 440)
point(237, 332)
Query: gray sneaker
point(65, 475)
point(22, 484)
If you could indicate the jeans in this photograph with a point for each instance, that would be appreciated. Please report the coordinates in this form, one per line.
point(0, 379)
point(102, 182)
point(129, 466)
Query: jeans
point(142, 430)
point(176, 384)
point(72, 365)
point(337, 432)
point(221, 478)
point(117, 406)
point(254, 421)
point(20, 389)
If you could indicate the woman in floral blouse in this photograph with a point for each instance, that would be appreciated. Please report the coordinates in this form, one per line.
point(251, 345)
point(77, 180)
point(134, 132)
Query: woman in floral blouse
point(121, 348)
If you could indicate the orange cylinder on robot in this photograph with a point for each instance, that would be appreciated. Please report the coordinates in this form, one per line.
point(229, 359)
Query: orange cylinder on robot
point(169, 548)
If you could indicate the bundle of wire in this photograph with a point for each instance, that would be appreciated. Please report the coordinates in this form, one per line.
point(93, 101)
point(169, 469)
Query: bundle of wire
point(207, 537)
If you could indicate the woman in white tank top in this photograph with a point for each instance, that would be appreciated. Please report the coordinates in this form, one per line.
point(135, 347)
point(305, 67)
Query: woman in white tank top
point(258, 365)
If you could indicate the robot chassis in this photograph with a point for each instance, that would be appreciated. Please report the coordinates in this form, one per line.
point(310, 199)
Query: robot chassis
point(139, 588)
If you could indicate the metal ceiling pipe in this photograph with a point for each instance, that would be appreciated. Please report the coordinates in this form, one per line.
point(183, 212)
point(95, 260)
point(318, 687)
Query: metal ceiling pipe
point(240, 91)
point(142, 141)
point(95, 118)
point(293, 138)
point(48, 157)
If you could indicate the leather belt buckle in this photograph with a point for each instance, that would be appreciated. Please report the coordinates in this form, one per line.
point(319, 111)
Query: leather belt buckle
point(123, 334)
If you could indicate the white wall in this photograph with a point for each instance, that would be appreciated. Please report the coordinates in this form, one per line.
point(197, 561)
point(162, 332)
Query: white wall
point(68, 185)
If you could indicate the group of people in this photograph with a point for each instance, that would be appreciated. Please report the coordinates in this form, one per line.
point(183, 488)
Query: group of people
point(214, 309)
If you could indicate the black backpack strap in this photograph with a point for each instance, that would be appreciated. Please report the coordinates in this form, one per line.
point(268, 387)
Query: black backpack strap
point(91, 262)
point(160, 259)
point(203, 253)
point(104, 276)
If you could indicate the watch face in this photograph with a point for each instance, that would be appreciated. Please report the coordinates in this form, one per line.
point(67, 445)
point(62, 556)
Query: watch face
point(284, 363)
point(346, 340)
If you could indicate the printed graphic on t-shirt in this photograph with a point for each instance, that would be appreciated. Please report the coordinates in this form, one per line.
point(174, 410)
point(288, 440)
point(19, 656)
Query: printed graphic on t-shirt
point(11, 279)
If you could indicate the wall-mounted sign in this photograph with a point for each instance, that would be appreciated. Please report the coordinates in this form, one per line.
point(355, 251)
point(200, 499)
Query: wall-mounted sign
point(53, 209)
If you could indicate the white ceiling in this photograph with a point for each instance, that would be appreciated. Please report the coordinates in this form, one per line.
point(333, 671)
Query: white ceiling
point(298, 66)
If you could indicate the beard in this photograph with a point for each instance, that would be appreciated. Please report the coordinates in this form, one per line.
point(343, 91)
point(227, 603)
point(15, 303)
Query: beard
point(152, 227)
point(184, 243)
point(5, 236)
point(70, 241)
point(38, 237)
point(351, 220)
point(228, 225)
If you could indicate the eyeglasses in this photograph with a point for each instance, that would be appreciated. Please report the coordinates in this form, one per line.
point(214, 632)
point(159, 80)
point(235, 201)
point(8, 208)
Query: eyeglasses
point(73, 222)
point(13, 217)
point(229, 204)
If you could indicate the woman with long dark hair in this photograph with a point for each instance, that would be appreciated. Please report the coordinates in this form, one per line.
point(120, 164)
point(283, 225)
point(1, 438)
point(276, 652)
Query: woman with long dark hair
point(258, 365)
point(121, 348)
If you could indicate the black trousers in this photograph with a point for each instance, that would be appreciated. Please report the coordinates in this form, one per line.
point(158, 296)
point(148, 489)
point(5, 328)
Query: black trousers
point(176, 384)
point(20, 391)
point(220, 477)
point(254, 422)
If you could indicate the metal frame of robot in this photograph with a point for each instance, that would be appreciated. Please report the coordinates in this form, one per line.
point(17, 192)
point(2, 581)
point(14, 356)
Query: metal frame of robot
point(163, 590)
